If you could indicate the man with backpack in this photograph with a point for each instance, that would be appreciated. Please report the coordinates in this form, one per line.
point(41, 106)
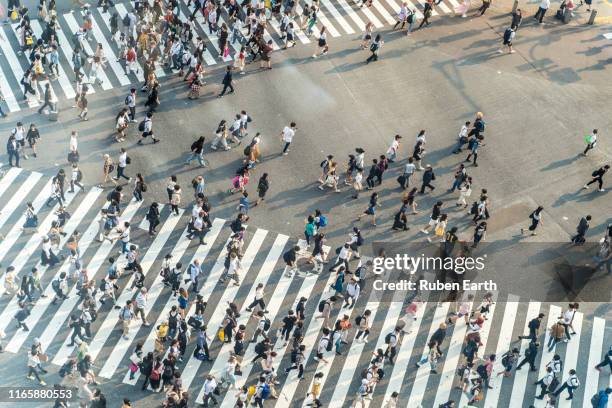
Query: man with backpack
point(597, 177)
point(290, 258)
point(600, 400)
point(571, 384)
point(59, 286)
point(263, 326)
point(210, 386)
point(607, 361)
point(534, 327)
point(325, 344)
point(126, 315)
point(130, 102)
point(509, 35)
point(530, 356)
point(146, 127)
point(581, 230)
point(392, 340)
point(545, 383)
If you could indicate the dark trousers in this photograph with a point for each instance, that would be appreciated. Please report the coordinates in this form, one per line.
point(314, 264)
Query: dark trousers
point(373, 57)
point(543, 389)
point(120, 173)
point(598, 180)
point(76, 332)
point(33, 371)
point(570, 390)
point(145, 382)
point(299, 367)
point(286, 331)
point(15, 154)
point(256, 302)
point(529, 360)
point(74, 183)
point(428, 185)
point(588, 147)
point(225, 86)
point(391, 352)
point(606, 361)
point(286, 147)
point(152, 225)
point(539, 15)
point(208, 397)
point(424, 21)
point(132, 114)
point(484, 8)
point(47, 103)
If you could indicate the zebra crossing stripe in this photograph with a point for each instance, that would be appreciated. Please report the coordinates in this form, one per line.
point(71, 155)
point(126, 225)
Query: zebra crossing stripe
point(454, 3)
point(383, 11)
point(19, 196)
point(433, 10)
point(571, 357)
point(373, 19)
point(451, 361)
point(328, 25)
point(403, 356)
point(115, 357)
point(66, 306)
point(422, 376)
point(42, 303)
point(444, 7)
point(343, 23)
point(13, 61)
point(121, 10)
point(108, 53)
point(7, 92)
point(106, 328)
point(310, 340)
point(15, 232)
point(74, 27)
point(503, 345)
point(553, 315)
point(228, 296)
point(352, 14)
point(200, 254)
point(274, 306)
point(595, 350)
point(520, 377)
point(62, 77)
point(67, 51)
point(8, 178)
point(263, 276)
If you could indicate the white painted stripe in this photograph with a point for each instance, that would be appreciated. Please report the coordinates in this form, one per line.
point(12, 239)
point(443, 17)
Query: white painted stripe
point(208, 58)
point(262, 277)
point(42, 303)
point(63, 78)
point(433, 10)
point(420, 381)
point(369, 15)
point(19, 196)
point(352, 14)
point(66, 49)
point(274, 306)
point(403, 357)
point(144, 224)
point(61, 314)
point(592, 375)
point(8, 178)
point(571, 359)
point(74, 27)
point(7, 93)
point(454, 3)
point(503, 345)
point(115, 357)
point(122, 12)
point(15, 232)
point(325, 21)
point(520, 376)
point(553, 315)
point(389, 325)
point(311, 341)
point(445, 9)
point(229, 294)
point(212, 37)
point(451, 360)
point(106, 328)
point(200, 254)
point(343, 23)
point(111, 59)
point(15, 65)
point(383, 11)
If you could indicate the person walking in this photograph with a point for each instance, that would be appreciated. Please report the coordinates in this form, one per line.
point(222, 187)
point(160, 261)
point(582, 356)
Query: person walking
point(544, 6)
point(597, 176)
point(581, 230)
point(571, 384)
point(146, 127)
point(130, 102)
point(590, 141)
point(536, 219)
point(375, 48)
point(507, 39)
point(530, 356)
point(227, 82)
point(197, 152)
point(126, 315)
point(122, 164)
point(287, 136)
point(428, 177)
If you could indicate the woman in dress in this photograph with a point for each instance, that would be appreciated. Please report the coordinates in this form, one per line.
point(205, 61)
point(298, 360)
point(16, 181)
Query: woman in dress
point(463, 8)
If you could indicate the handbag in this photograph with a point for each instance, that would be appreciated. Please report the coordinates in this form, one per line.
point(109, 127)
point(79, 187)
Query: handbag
point(43, 357)
point(221, 334)
point(29, 40)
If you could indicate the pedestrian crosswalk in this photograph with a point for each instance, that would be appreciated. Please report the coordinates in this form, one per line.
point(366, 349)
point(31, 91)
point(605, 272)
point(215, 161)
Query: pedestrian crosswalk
point(340, 17)
point(263, 263)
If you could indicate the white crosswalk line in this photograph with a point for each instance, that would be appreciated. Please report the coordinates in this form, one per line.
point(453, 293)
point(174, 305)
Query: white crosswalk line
point(352, 14)
point(107, 326)
point(61, 314)
point(444, 7)
point(13, 61)
point(74, 27)
point(262, 277)
point(228, 296)
point(63, 80)
point(19, 196)
point(553, 315)
point(503, 345)
point(454, 3)
point(121, 10)
point(433, 10)
point(208, 57)
point(274, 306)
point(200, 254)
point(383, 11)
point(328, 25)
point(42, 303)
point(391, 319)
point(571, 359)
point(111, 59)
point(451, 361)
point(115, 357)
point(403, 357)
point(373, 19)
point(15, 232)
point(520, 376)
point(66, 49)
point(8, 179)
point(420, 380)
point(595, 350)
point(311, 342)
point(7, 92)
point(343, 23)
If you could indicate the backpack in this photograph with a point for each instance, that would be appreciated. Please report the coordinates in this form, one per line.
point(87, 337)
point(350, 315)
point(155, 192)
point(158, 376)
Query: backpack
point(322, 221)
point(265, 391)
point(374, 47)
point(267, 324)
point(155, 375)
point(359, 240)
point(474, 208)
point(167, 372)
point(595, 400)
point(128, 160)
point(321, 306)
point(330, 345)
point(505, 360)
point(388, 338)
point(93, 314)
point(56, 285)
point(507, 34)
point(247, 151)
point(126, 20)
point(482, 371)
point(141, 126)
point(259, 348)
point(102, 285)
point(144, 188)
point(127, 100)
point(324, 163)
point(358, 320)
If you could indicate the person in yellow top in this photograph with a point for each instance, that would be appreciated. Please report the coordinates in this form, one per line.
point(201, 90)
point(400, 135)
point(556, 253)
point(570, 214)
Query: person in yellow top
point(162, 334)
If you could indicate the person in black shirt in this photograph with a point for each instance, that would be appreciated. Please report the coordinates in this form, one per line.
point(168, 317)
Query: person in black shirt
point(288, 324)
point(597, 176)
point(300, 309)
point(227, 82)
point(534, 326)
point(530, 356)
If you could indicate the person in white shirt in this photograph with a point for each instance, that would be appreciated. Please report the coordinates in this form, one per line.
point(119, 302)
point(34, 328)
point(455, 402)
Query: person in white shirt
point(544, 6)
point(545, 382)
point(343, 257)
point(287, 136)
point(121, 166)
point(195, 270)
point(462, 138)
point(229, 376)
point(75, 177)
point(322, 346)
point(591, 142)
point(571, 384)
point(210, 384)
point(568, 319)
point(409, 169)
point(394, 341)
point(140, 305)
point(392, 151)
point(352, 293)
point(259, 295)
point(147, 130)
